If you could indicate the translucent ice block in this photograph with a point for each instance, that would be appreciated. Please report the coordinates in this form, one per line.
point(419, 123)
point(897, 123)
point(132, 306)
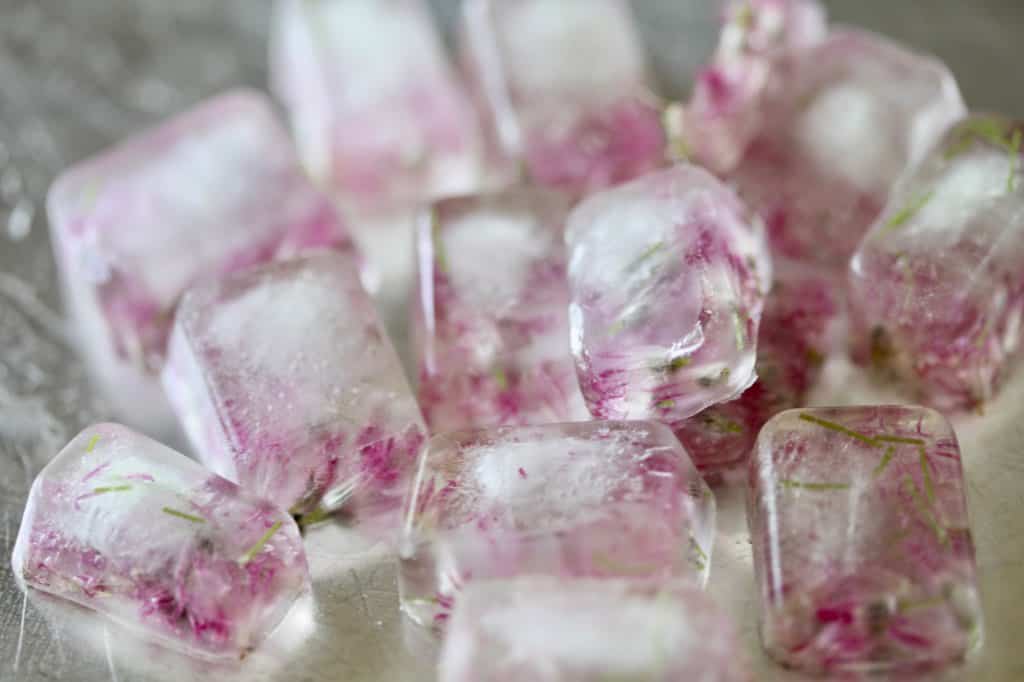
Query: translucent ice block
point(597, 499)
point(802, 324)
point(210, 191)
point(378, 113)
point(841, 121)
point(286, 383)
point(491, 316)
point(123, 525)
point(542, 629)
point(862, 546)
point(724, 112)
point(667, 276)
point(938, 284)
point(564, 89)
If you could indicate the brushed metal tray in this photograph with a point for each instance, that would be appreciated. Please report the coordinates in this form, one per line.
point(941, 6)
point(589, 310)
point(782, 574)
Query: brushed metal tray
point(74, 76)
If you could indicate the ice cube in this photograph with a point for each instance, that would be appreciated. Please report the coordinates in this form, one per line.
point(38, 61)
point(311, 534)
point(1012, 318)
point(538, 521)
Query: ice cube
point(491, 312)
point(840, 122)
point(210, 191)
point(126, 526)
point(534, 629)
point(378, 113)
point(286, 383)
point(597, 499)
point(667, 276)
point(862, 546)
point(564, 88)
point(938, 283)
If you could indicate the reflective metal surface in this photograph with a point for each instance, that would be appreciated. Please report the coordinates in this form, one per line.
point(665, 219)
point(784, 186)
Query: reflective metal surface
point(76, 75)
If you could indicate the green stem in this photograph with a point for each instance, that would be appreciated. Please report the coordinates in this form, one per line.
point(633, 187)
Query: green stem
point(839, 428)
point(183, 515)
point(251, 552)
point(818, 487)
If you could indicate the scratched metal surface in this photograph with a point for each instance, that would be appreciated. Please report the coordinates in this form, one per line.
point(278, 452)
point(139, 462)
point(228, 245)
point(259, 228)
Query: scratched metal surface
point(75, 76)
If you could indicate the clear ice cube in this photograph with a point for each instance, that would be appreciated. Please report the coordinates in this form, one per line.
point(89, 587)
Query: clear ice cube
point(126, 526)
point(667, 276)
point(937, 285)
point(862, 546)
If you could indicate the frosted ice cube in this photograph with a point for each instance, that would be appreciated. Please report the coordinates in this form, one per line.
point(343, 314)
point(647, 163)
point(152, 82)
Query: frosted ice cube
point(579, 630)
point(491, 317)
point(285, 382)
point(937, 285)
point(563, 87)
point(591, 499)
point(839, 123)
point(378, 114)
point(123, 525)
point(210, 191)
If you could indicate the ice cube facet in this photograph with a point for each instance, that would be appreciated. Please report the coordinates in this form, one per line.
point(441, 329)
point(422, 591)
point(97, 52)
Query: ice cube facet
point(938, 284)
point(594, 499)
point(286, 383)
point(801, 325)
point(537, 628)
point(862, 546)
point(564, 88)
point(126, 526)
point(667, 276)
point(491, 314)
point(210, 191)
point(840, 122)
point(378, 113)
